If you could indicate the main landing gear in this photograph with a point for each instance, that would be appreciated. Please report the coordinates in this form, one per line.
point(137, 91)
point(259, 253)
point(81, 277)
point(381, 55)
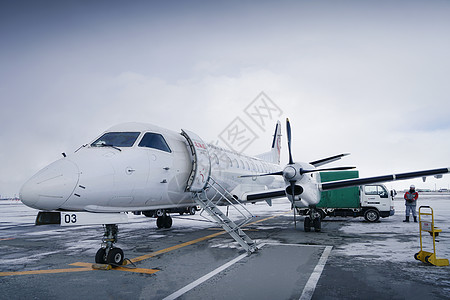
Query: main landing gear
point(313, 220)
point(164, 221)
point(108, 254)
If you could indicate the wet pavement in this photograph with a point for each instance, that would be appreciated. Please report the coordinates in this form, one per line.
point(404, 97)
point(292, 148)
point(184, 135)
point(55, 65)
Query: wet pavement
point(367, 260)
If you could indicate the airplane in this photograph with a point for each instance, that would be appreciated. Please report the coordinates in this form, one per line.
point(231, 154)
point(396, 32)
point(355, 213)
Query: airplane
point(138, 167)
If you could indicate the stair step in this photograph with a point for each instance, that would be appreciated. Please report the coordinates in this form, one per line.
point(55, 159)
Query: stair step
point(225, 222)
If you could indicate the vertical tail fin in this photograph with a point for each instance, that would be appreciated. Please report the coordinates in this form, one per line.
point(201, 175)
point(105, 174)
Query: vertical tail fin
point(274, 154)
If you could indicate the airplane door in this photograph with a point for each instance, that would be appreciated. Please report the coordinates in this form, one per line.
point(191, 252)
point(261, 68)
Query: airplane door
point(201, 164)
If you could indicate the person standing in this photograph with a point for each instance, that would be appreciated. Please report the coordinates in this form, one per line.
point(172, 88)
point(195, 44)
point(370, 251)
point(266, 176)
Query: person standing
point(411, 202)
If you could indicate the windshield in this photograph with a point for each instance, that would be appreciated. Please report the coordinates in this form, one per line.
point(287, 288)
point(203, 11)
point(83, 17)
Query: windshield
point(116, 139)
point(155, 141)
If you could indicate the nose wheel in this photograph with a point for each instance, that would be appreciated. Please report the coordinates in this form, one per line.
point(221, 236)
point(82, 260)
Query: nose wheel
point(108, 254)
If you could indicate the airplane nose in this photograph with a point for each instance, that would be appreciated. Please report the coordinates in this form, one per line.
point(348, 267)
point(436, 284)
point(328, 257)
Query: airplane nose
point(52, 186)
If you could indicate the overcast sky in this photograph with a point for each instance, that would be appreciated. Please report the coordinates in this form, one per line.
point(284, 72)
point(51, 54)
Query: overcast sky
point(366, 77)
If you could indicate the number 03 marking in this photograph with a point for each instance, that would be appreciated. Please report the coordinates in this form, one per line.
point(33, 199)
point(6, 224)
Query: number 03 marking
point(70, 218)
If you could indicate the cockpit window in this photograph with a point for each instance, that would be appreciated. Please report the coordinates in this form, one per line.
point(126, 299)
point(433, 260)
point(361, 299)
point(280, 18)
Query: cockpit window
point(155, 141)
point(116, 139)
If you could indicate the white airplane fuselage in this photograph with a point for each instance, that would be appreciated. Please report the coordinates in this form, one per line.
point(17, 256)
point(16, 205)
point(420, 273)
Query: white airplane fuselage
point(102, 178)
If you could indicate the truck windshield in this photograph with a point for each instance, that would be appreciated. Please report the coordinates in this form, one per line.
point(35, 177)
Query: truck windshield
point(116, 139)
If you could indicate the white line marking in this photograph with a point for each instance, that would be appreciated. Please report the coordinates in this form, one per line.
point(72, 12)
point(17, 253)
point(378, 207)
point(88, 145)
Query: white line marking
point(199, 281)
point(295, 245)
point(310, 286)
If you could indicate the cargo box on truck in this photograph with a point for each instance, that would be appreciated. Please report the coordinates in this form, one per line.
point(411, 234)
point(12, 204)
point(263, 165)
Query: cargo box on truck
point(370, 201)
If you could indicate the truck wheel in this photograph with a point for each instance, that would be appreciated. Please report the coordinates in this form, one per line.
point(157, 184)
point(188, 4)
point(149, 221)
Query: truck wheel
point(372, 215)
point(192, 210)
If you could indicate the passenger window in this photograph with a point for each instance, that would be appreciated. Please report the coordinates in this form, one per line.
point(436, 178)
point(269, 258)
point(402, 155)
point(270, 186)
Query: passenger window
point(229, 164)
point(155, 141)
point(215, 159)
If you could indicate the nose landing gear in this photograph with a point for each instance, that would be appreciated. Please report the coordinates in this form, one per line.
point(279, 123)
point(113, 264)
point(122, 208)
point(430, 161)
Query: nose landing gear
point(108, 254)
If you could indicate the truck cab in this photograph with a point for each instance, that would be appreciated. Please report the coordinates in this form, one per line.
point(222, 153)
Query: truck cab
point(376, 202)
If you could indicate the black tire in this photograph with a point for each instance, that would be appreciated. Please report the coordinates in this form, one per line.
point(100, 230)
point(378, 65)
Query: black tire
point(181, 213)
point(192, 210)
point(167, 222)
point(307, 224)
point(372, 215)
point(317, 225)
point(160, 222)
point(100, 256)
point(115, 257)
point(416, 256)
point(427, 259)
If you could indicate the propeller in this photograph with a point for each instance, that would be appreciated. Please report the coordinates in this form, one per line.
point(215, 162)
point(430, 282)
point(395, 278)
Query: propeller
point(288, 130)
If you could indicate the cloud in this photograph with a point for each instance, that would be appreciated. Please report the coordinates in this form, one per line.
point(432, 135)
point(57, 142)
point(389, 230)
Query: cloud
point(364, 78)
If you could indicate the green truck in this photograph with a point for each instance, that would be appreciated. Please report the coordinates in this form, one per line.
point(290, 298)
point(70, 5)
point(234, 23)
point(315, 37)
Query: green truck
point(370, 201)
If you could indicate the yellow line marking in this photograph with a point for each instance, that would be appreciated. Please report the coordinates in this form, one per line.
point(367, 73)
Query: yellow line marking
point(147, 256)
point(54, 271)
point(84, 267)
point(7, 239)
point(153, 254)
point(135, 270)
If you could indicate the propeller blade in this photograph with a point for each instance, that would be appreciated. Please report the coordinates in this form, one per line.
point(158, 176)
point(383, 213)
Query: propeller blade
point(259, 175)
point(327, 169)
point(288, 130)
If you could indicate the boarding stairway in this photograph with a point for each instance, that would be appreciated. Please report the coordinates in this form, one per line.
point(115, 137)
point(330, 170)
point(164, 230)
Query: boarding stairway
point(215, 194)
point(208, 193)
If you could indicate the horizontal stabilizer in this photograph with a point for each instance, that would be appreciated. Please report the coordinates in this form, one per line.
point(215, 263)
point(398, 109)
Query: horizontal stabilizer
point(384, 178)
point(328, 160)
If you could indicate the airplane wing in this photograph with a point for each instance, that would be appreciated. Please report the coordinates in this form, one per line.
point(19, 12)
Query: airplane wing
point(384, 178)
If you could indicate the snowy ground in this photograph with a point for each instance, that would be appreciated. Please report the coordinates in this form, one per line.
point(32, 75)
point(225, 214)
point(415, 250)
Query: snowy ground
point(390, 239)
point(401, 239)
point(377, 256)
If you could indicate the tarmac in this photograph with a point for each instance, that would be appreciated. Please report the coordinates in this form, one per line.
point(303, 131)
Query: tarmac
point(349, 259)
